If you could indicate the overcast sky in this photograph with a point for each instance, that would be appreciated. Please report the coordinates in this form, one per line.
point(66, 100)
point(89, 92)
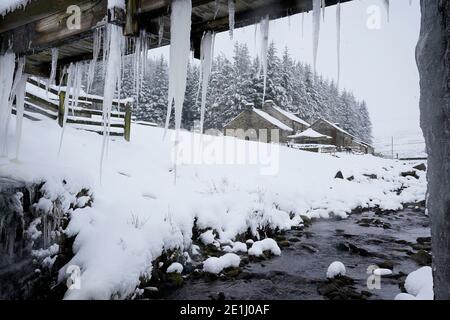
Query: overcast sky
point(378, 65)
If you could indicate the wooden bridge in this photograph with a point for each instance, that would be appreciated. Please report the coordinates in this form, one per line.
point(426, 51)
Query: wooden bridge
point(42, 25)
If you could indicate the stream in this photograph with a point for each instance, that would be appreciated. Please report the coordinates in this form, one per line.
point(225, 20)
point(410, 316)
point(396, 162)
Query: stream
point(396, 240)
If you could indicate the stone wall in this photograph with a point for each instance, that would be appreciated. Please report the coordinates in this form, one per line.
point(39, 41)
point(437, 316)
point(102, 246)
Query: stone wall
point(251, 123)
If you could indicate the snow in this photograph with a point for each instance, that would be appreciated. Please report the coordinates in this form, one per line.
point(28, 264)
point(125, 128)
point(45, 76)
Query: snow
point(180, 46)
point(382, 272)
point(335, 269)
point(291, 116)
point(309, 133)
point(231, 13)
point(206, 59)
point(11, 5)
point(225, 197)
point(236, 247)
point(272, 120)
point(216, 265)
point(419, 285)
point(207, 237)
point(175, 267)
point(316, 31)
point(267, 244)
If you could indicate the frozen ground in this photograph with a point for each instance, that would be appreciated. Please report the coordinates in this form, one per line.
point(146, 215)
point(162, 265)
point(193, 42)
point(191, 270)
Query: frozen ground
point(139, 210)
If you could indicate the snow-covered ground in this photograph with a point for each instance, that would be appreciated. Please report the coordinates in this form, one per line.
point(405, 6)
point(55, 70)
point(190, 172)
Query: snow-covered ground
point(140, 209)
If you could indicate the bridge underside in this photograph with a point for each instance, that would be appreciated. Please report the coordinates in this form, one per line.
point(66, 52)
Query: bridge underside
point(42, 25)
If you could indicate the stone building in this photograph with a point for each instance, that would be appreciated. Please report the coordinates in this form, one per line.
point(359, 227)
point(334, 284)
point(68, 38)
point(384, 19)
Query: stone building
point(266, 124)
point(342, 139)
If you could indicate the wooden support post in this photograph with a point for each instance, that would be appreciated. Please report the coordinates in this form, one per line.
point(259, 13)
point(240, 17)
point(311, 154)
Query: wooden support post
point(131, 23)
point(62, 98)
point(127, 128)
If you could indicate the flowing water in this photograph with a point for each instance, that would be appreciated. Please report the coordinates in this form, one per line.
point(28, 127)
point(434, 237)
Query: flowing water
point(362, 240)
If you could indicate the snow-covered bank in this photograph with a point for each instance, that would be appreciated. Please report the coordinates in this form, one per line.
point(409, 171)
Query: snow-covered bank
point(138, 211)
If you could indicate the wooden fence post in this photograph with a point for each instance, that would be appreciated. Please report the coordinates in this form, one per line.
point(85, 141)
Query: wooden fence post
point(127, 129)
point(62, 98)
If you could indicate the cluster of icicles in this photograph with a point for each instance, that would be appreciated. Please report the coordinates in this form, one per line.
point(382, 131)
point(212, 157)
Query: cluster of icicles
point(110, 41)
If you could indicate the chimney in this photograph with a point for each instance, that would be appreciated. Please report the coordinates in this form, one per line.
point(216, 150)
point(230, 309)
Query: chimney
point(268, 104)
point(249, 106)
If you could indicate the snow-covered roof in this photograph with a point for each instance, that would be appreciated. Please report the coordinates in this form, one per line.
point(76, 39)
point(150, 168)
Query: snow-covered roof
point(309, 133)
point(338, 128)
point(272, 120)
point(291, 116)
point(357, 140)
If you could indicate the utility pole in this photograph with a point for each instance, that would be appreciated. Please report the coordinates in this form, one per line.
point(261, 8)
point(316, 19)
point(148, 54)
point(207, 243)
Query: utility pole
point(392, 147)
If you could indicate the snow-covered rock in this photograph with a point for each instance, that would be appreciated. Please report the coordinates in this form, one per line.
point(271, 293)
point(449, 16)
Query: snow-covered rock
point(175, 267)
point(267, 244)
point(335, 269)
point(419, 285)
point(216, 265)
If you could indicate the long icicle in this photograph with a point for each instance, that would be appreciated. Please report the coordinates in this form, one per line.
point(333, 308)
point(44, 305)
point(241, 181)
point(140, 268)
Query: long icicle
point(206, 58)
point(338, 41)
point(264, 27)
point(93, 64)
point(180, 29)
point(387, 5)
point(316, 30)
point(112, 79)
point(71, 72)
point(17, 77)
point(52, 78)
point(231, 14)
point(20, 100)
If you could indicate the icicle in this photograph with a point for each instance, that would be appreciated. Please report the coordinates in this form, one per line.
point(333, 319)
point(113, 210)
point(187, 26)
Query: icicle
point(51, 80)
point(160, 31)
point(69, 92)
point(255, 35)
point(217, 4)
point(73, 88)
point(7, 65)
point(231, 13)
point(323, 10)
point(303, 25)
point(113, 72)
point(206, 58)
point(316, 30)
point(338, 41)
point(20, 100)
point(180, 29)
point(264, 26)
point(93, 64)
point(387, 5)
point(410, 2)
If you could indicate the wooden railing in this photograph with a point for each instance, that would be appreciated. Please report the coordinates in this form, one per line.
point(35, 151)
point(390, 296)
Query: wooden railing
point(87, 115)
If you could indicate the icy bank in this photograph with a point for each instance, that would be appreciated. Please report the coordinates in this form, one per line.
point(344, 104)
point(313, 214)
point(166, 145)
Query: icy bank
point(138, 212)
